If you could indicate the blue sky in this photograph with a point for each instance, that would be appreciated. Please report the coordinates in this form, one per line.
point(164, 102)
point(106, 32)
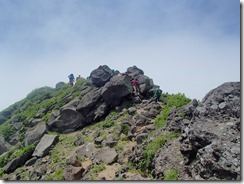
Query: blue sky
point(186, 46)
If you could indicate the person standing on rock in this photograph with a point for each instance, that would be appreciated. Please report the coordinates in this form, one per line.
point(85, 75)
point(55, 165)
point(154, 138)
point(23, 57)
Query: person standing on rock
point(135, 85)
point(156, 94)
point(71, 79)
point(78, 78)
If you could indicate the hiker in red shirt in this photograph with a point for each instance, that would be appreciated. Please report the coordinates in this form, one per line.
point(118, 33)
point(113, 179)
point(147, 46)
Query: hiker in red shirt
point(135, 85)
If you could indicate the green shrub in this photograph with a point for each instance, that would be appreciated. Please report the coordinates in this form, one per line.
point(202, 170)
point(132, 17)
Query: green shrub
point(40, 94)
point(152, 148)
point(161, 120)
point(1, 172)
point(125, 129)
point(171, 174)
point(107, 123)
point(57, 175)
point(98, 168)
point(6, 130)
point(4, 159)
point(174, 100)
point(21, 151)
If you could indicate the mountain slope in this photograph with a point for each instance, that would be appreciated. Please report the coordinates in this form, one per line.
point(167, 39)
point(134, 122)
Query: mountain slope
point(98, 129)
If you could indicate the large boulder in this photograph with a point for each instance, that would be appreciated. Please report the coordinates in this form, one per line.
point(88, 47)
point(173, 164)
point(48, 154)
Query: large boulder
point(17, 162)
point(134, 71)
point(145, 83)
point(116, 90)
point(89, 100)
point(68, 121)
point(92, 106)
point(101, 75)
point(44, 146)
point(34, 135)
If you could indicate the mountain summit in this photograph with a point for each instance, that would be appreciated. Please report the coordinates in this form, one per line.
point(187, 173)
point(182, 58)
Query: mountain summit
point(118, 126)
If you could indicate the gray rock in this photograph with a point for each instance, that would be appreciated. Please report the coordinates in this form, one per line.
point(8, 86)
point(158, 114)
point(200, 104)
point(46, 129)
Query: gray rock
point(40, 113)
point(101, 75)
point(87, 150)
point(145, 83)
point(33, 122)
point(132, 110)
point(73, 103)
point(73, 173)
point(34, 136)
point(141, 137)
point(3, 145)
point(116, 90)
point(73, 160)
point(31, 161)
point(68, 121)
point(106, 155)
point(210, 143)
point(89, 100)
point(17, 162)
point(134, 71)
point(44, 146)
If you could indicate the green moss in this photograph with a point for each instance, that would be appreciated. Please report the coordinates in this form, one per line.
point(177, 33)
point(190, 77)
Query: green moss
point(120, 145)
point(98, 168)
point(171, 174)
point(57, 175)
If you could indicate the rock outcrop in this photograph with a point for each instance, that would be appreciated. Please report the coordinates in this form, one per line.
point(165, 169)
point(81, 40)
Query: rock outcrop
point(211, 142)
point(101, 75)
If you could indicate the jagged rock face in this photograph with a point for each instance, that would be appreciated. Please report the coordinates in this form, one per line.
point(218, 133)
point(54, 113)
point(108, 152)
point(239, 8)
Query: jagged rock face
point(36, 134)
point(114, 91)
point(101, 75)
point(225, 99)
point(210, 143)
point(68, 121)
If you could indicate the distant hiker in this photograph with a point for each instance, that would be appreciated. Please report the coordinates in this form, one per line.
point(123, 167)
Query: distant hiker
point(123, 74)
point(156, 94)
point(135, 85)
point(78, 78)
point(71, 79)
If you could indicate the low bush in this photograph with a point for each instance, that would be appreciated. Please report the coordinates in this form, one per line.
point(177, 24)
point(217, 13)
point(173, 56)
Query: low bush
point(151, 149)
point(171, 174)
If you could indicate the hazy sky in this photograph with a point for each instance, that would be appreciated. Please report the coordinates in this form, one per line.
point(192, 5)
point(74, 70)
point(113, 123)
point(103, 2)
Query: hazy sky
point(187, 46)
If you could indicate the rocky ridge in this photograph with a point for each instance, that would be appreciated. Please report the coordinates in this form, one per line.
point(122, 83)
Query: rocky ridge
point(109, 134)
